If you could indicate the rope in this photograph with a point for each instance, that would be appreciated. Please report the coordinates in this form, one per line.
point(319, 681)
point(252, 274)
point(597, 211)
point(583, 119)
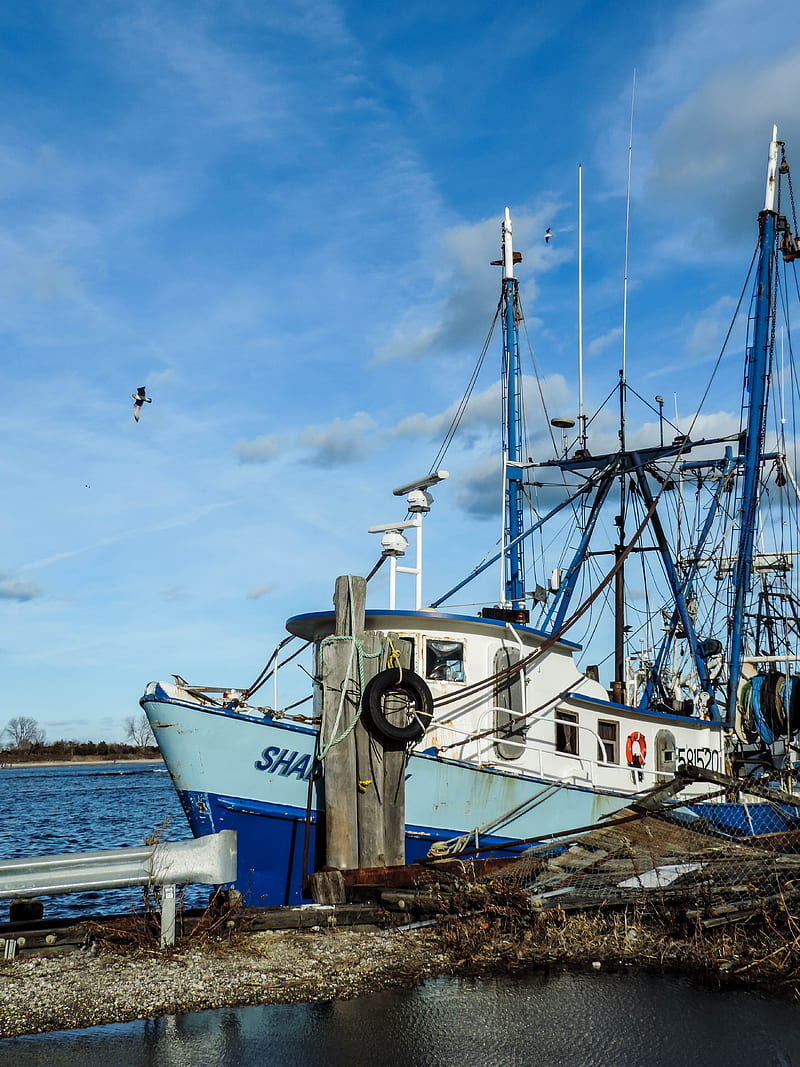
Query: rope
point(357, 652)
point(394, 660)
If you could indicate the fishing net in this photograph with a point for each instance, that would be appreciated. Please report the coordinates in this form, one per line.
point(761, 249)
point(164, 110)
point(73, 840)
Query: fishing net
point(704, 857)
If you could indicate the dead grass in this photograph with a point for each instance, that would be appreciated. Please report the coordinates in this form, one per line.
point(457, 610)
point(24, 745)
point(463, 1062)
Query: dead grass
point(494, 927)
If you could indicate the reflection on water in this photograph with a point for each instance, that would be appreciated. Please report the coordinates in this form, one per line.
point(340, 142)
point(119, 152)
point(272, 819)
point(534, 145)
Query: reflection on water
point(574, 1020)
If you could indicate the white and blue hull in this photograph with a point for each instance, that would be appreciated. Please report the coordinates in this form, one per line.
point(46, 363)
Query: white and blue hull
point(247, 769)
point(251, 775)
point(237, 768)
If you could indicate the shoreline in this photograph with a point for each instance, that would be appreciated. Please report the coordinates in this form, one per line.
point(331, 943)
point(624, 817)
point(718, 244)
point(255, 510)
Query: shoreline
point(79, 762)
point(104, 984)
point(82, 989)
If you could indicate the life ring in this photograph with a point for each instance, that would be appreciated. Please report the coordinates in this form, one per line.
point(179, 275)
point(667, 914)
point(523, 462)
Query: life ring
point(418, 705)
point(636, 758)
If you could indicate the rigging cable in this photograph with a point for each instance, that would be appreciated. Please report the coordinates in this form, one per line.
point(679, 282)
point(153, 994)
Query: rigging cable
point(462, 404)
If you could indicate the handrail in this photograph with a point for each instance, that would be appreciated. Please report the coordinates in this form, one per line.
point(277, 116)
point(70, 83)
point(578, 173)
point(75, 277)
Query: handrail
point(209, 860)
point(538, 749)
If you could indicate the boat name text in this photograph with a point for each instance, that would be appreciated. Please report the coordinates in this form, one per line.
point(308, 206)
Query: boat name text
point(285, 763)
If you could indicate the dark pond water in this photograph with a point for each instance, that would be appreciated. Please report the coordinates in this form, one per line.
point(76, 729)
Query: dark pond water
point(565, 1021)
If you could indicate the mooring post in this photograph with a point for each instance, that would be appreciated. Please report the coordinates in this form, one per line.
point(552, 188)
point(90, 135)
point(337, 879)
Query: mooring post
point(341, 694)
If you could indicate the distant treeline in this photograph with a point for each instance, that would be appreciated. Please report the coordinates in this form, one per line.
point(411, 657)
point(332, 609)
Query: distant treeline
point(24, 740)
point(77, 750)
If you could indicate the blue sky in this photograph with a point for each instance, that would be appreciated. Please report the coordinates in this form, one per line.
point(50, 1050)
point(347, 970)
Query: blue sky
point(278, 217)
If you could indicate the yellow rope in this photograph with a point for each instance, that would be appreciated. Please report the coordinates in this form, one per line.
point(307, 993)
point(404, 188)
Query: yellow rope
point(394, 660)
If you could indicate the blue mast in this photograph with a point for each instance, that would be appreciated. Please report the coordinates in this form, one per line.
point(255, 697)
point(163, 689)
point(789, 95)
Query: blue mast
point(512, 429)
point(756, 381)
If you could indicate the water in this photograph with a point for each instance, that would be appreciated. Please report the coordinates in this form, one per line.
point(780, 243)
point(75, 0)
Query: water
point(89, 806)
point(564, 1021)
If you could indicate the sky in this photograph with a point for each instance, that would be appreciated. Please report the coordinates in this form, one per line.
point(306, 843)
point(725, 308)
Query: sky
point(279, 219)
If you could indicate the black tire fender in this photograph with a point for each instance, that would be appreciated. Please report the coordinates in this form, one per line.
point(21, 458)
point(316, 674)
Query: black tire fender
point(415, 691)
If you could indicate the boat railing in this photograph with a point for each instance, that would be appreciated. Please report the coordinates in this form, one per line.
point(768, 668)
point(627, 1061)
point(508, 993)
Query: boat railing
point(484, 737)
point(208, 860)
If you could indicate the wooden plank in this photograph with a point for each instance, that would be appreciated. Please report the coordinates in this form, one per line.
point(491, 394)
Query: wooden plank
point(307, 917)
point(394, 778)
point(748, 786)
point(370, 796)
point(327, 887)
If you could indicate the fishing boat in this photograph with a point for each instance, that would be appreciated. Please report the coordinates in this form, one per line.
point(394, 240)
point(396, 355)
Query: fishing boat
point(495, 726)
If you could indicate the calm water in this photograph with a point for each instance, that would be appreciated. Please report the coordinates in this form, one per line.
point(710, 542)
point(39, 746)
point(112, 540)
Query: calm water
point(74, 809)
point(594, 1019)
point(567, 1021)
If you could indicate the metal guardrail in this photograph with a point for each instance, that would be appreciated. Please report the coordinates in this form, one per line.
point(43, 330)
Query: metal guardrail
point(209, 860)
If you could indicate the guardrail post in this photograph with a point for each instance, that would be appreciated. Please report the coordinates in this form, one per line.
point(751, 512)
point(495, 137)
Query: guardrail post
point(167, 916)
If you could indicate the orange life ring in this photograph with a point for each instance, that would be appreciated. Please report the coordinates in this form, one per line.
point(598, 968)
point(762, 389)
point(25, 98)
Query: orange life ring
point(636, 759)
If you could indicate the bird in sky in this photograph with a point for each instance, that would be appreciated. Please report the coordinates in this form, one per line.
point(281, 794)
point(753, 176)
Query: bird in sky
point(547, 236)
point(139, 398)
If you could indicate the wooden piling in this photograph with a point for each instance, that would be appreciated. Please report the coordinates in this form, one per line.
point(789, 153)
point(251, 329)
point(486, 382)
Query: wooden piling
point(341, 697)
point(364, 776)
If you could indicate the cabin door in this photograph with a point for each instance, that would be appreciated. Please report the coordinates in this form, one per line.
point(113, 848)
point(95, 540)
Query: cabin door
point(508, 706)
point(665, 755)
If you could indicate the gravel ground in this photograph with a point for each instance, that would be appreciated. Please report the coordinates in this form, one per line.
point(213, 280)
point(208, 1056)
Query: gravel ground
point(79, 989)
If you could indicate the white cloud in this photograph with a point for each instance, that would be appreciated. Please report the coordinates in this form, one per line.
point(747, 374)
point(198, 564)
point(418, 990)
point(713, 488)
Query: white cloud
point(341, 441)
point(259, 450)
point(471, 286)
point(600, 344)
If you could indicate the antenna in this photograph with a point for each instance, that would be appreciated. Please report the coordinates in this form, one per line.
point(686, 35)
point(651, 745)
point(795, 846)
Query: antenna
point(581, 416)
point(619, 579)
point(627, 238)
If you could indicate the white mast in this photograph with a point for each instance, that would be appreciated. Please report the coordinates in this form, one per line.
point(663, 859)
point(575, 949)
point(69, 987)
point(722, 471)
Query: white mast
point(772, 170)
point(508, 247)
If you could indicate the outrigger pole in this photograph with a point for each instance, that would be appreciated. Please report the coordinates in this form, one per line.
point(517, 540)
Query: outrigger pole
point(757, 374)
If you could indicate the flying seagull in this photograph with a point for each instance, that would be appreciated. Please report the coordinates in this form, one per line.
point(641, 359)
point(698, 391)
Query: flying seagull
point(547, 236)
point(139, 398)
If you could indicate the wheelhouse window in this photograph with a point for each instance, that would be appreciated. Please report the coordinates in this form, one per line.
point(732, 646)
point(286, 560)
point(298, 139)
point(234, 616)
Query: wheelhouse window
point(567, 732)
point(608, 745)
point(444, 661)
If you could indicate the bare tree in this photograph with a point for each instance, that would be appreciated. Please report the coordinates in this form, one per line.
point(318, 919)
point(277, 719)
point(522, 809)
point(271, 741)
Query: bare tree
point(138, 732)
point(24, 732)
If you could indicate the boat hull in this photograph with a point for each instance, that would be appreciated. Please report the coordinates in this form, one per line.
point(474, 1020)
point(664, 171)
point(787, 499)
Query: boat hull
point(253, 775)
